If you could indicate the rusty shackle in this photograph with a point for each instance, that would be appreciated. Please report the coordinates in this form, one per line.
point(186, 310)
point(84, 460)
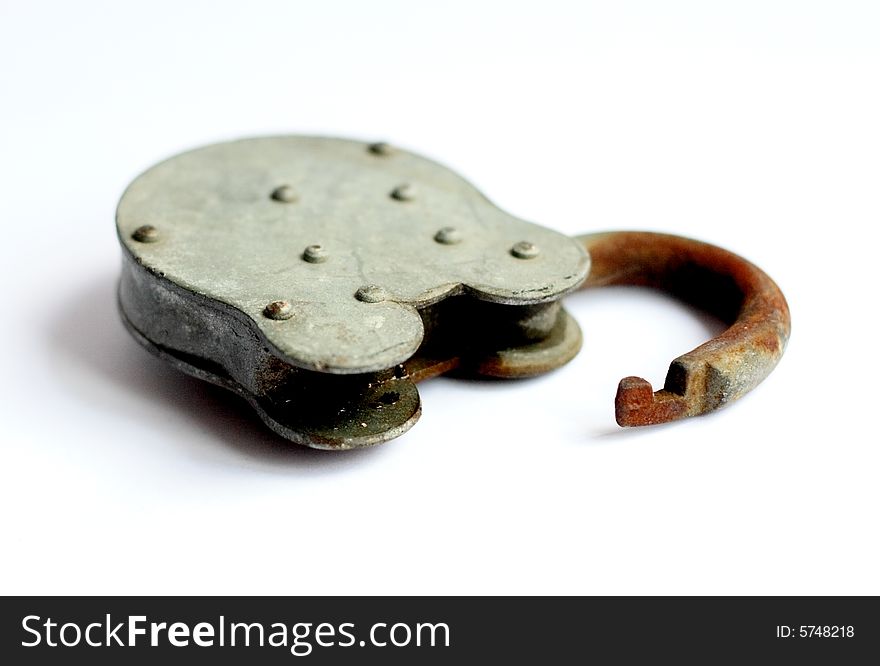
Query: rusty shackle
point(710, 278)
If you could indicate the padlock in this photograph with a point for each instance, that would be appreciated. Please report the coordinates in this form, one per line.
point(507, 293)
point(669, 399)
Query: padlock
point(320, 279)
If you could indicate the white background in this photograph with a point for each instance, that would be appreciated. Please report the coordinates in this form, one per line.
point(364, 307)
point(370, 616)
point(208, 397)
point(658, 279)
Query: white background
point(754, 125)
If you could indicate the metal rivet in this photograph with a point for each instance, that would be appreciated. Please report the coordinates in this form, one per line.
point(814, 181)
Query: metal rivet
point(525, 250)
point(146, 234)
point(315, 254)
point(284, 194)
point(448, 236)
point(381, 148)
point(278, 310)
point(405, 192)
point(371, 293)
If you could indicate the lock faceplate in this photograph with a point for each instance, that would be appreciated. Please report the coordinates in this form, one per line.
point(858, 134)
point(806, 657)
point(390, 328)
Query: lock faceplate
point(319, 278)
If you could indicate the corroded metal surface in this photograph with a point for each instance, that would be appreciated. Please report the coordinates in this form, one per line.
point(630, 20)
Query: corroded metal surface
point(715, 280)
point(216, 343)
point(329, 248)
point(321, 278)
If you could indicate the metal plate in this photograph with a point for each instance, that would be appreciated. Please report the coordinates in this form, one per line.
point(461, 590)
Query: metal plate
point(236, 223)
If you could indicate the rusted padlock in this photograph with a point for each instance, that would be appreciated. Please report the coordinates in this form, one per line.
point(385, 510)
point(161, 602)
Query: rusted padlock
point(320, 279)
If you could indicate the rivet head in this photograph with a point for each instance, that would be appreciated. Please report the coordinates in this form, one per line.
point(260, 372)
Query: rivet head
point(448, 236)
point(315, 254)
point(371, 293)
point(525, 250)
point(146, 234)
point(278, 310)
point(284, 194)
point(381, 149)
point(405, 192)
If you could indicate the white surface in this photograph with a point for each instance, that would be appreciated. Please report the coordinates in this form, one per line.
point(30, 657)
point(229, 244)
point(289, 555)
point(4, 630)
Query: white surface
point(754, 125)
